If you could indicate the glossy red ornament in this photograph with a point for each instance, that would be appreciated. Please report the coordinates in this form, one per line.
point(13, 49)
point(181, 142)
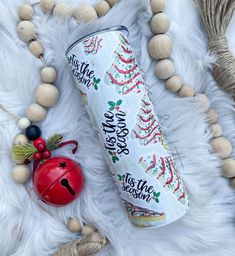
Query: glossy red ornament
point(40, 144)
point(58, 181)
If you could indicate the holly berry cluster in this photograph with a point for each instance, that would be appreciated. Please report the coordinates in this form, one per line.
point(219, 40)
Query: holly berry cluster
point(43, 152)
point(40, 149)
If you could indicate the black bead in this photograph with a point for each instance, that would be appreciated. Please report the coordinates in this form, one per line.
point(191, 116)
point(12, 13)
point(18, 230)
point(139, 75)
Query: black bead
point(33, 132)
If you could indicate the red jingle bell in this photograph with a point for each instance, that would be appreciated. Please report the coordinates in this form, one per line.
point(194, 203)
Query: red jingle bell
point(58, 181)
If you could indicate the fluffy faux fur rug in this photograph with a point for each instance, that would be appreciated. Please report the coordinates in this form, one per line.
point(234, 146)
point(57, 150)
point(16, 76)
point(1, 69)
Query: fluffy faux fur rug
point(29, 228)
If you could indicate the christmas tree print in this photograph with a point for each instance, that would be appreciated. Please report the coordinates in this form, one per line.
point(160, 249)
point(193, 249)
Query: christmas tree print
point(147, 129)
point(92, 45)
point(125, 73)
point(164, 169)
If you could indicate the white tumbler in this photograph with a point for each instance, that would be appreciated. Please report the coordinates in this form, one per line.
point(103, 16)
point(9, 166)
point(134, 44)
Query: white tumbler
point(112, 88)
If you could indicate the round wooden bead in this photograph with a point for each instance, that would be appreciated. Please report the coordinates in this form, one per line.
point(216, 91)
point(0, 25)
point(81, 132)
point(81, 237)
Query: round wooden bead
point(74, 225)
point(21, 139)
point(174, 84)
point(26, 30)
point(186, 91)
point(232, 183)
point(47, 5)
point(228, 168)
point(157, 6)
point(102, 8)
point(25, 12)
point(23, 123)
point(47, 95)
point(160, 47)
point(21, 174)
point(212, 116)
point(222, 147)
point(217, 130)
point(203, 99)
point(160, 23)
point(111, 2)
point(36, 49)
point(85, 13)
point(36, 113)
point(165, 69)
point(48, 75)
point(87, 230)
point(63, 10)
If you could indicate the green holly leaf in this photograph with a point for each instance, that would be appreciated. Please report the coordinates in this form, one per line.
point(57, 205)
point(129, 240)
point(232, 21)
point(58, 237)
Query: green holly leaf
point(123, 176)
point(119, 102)
point(110, 152)
point(119, 177)
point(154, 193)
point(95, 80)
point(96, 87)
point(114, 159)
point(157, 200)
point(98, 81)
point(112, 105)
point(158, 194)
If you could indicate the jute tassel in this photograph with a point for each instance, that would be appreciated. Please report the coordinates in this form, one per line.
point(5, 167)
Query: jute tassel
point(84, 246)
point(216, 15)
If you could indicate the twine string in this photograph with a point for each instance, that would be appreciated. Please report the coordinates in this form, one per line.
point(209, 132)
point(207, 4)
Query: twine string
point(84, 246)
point(216, 15)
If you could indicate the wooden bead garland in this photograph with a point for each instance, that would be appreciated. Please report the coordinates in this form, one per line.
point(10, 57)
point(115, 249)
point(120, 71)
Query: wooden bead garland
point(47, 95)
point(48, 75)
point(174, 83)
point(222, 147)
point(36, 113)
point(157, 6)
point(216, 130)
point(85, 13)
point(23, 123)
point(160, 23)
point(36, 49)
point(165, 69)
point(63, 10)
point(87, 230)
point(229, 168)
point(203, 99)
point(161, 49)
point(21, 174)
point(20, 139)
point(102, 8)
point(212, 116)
point(186, 91)
point(74, 225)
point(47, 5)
point(111, 2)
point(26, 30)
point(25, 12)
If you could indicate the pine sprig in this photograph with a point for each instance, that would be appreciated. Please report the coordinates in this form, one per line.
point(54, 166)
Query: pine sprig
point(23, 151)
point(53, 141)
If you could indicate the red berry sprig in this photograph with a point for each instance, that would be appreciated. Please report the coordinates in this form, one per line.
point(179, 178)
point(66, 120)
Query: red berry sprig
point(43, 152)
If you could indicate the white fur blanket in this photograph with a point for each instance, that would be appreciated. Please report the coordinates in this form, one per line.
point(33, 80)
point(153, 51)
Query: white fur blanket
point(28, 230)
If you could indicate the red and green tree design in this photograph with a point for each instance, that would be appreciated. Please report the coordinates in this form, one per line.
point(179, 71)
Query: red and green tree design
point(166, 172)
point(125, 73)
point(92, 45)
point(147, 129)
